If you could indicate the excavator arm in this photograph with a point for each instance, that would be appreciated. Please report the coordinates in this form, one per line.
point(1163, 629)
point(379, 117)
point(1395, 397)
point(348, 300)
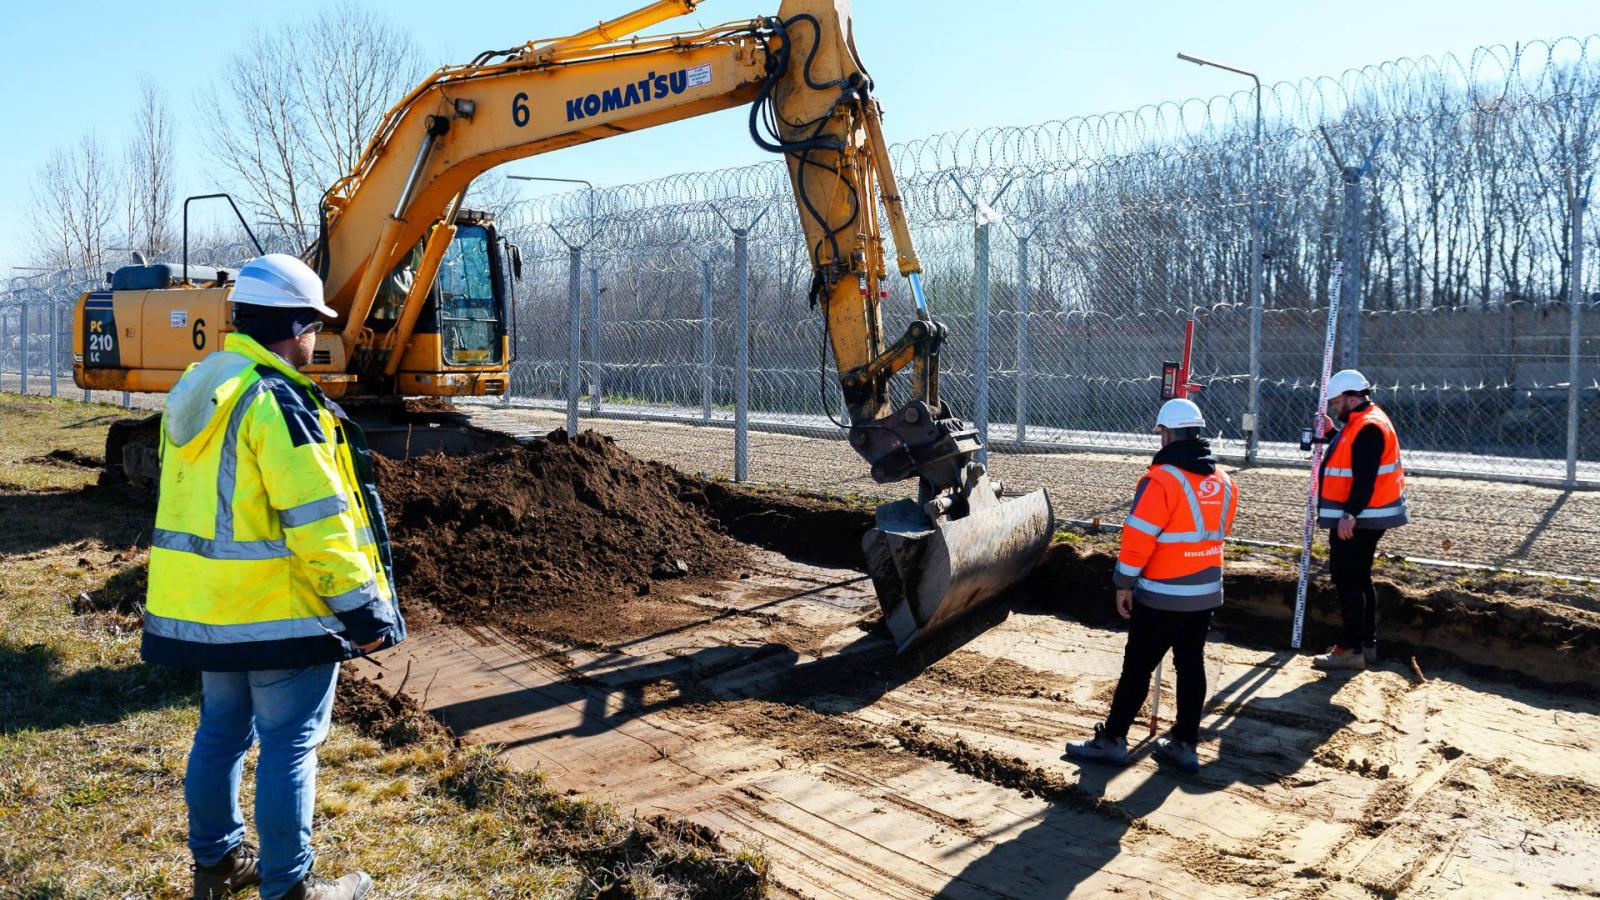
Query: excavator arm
point(932, 558)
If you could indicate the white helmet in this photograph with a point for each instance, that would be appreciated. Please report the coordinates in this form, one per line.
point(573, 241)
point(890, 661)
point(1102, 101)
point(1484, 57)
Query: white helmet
point(1180, 413)
point(282, 281)
point(1346, 380)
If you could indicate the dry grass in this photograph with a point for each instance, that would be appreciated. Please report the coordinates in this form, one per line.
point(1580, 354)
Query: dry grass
point(93, 742)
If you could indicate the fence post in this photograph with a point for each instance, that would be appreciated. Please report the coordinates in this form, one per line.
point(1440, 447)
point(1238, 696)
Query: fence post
point(594, 336)
point(1349, 324)
point(984, 217)
point(1350, 252)
point(707, 363)
point(741, 403)
point(1023, 297)
point(55, 346)
point(1580, 200)
point(5, 341)
point(741, 379)
point(23, 347)
point(574, 335)
point(980, 364)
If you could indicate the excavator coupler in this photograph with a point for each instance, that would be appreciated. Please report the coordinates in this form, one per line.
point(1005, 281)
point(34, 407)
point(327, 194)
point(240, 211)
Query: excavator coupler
point(938, 557)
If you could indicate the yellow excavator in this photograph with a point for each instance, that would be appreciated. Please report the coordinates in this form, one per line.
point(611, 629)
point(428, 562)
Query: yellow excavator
point(421, 282)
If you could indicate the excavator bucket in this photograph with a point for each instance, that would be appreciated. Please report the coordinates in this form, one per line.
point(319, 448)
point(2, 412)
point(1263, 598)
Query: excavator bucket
point(930, 572)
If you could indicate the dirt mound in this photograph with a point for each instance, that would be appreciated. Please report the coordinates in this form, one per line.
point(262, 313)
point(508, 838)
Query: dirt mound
point(569, 538)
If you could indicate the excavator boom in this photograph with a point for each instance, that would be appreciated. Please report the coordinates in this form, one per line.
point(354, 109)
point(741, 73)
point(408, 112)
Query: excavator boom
point(388, 228)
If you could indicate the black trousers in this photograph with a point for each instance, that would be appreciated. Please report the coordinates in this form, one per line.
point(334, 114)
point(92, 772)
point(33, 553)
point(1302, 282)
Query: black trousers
point(1151, 633)
point(1350, 564)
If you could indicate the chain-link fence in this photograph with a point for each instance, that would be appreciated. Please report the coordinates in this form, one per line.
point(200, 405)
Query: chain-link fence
point(1065, 258)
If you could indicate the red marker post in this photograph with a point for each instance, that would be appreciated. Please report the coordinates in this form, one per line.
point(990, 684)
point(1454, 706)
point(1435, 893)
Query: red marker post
point(1175, 383)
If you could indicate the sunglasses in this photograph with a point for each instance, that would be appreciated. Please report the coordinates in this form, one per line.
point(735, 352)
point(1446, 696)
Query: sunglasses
point(313, 328)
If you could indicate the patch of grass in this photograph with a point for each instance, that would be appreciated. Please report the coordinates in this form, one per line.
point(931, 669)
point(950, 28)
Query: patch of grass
point(93, 744)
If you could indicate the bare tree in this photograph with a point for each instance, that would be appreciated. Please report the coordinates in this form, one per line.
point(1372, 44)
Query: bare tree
point(150, 174)
point(75, 196)
point(297, 106)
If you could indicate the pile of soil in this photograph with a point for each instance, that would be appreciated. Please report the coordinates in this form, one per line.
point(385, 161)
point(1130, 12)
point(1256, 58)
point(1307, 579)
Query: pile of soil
point(568, 538)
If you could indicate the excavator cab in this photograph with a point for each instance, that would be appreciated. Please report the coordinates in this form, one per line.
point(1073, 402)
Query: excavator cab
point(461, 336)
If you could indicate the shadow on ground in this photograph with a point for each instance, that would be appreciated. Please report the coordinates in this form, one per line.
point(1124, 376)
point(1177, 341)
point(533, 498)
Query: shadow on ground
point(40, 521)
point(36, 695)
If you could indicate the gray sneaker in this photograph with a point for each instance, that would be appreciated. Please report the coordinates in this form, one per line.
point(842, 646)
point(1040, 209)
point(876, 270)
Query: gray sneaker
point(237, 870)
point(1100, 748)
point(1180, 753)
point(1339, 658)
point(1369, 653)
point(354, 886)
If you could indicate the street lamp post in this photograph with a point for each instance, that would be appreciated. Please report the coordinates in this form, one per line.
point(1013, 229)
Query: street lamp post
point(1252, 419)
point(594, 289)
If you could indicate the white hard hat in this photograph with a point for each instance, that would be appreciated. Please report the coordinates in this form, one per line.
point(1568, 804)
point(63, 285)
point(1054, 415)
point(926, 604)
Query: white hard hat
point(282, 281)
point(1346, 380)
point(1180, 413)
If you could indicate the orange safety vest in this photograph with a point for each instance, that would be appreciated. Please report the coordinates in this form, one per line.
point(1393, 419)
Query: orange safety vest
point(1387, 508)
point(1172, 542)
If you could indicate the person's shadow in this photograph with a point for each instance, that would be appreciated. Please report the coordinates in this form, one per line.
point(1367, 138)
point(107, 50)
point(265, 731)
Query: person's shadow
point(1258, 741)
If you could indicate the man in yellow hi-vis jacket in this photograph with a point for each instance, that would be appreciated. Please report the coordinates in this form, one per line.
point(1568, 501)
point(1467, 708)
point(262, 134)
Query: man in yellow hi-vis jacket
point(269, 565)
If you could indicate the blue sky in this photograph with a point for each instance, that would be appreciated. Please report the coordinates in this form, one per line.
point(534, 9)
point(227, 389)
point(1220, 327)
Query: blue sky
point(73, 66)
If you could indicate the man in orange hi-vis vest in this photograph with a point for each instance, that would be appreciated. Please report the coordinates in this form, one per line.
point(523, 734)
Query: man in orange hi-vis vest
point(1363, 494)
point(1169, 580)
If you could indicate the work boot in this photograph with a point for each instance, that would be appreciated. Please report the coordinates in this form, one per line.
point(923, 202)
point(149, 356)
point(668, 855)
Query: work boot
point(1100, 748)
point(1369, 653)
point(314, 887)
point(1180, 753)
point(1340, 658)
point(237, 870)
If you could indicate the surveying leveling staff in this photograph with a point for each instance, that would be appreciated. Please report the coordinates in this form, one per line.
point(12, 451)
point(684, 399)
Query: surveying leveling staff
point(1363, 494)
point(269, 565)
point(1168, 579)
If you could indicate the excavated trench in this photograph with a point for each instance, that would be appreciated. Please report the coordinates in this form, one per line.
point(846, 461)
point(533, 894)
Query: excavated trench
point(572, 540)
point(705, 648)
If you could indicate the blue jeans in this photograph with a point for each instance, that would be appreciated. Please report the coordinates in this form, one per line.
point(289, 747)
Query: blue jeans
point(288, 710)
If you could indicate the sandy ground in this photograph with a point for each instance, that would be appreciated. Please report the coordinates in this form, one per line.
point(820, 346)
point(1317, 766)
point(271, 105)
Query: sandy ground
point(1456, 519)
point(776, 718)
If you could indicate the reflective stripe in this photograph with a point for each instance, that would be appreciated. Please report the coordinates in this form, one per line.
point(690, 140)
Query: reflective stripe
point(1180, 590)
point(200, 633)
point(216, 549)
point(1350, 473)
point(315, 511)
point(228, 463)
point(1189, 537)
point(1374, 512)
point(1188, 493)
point(354, 598)
point(1126, 569)
point(1138, 524)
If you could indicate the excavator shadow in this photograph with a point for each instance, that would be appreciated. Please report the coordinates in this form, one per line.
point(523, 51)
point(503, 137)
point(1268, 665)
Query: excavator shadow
point(609, 695)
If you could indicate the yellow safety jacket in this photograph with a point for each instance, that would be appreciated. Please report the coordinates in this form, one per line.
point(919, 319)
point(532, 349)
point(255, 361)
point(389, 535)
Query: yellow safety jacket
point(270, 549)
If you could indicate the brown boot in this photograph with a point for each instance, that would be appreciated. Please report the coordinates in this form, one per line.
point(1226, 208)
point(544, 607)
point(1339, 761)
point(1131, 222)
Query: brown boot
point(236, 870)
point(314, 887)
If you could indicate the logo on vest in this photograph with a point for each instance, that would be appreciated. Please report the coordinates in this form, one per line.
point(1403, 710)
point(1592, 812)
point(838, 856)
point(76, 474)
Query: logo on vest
point(1209, 489)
